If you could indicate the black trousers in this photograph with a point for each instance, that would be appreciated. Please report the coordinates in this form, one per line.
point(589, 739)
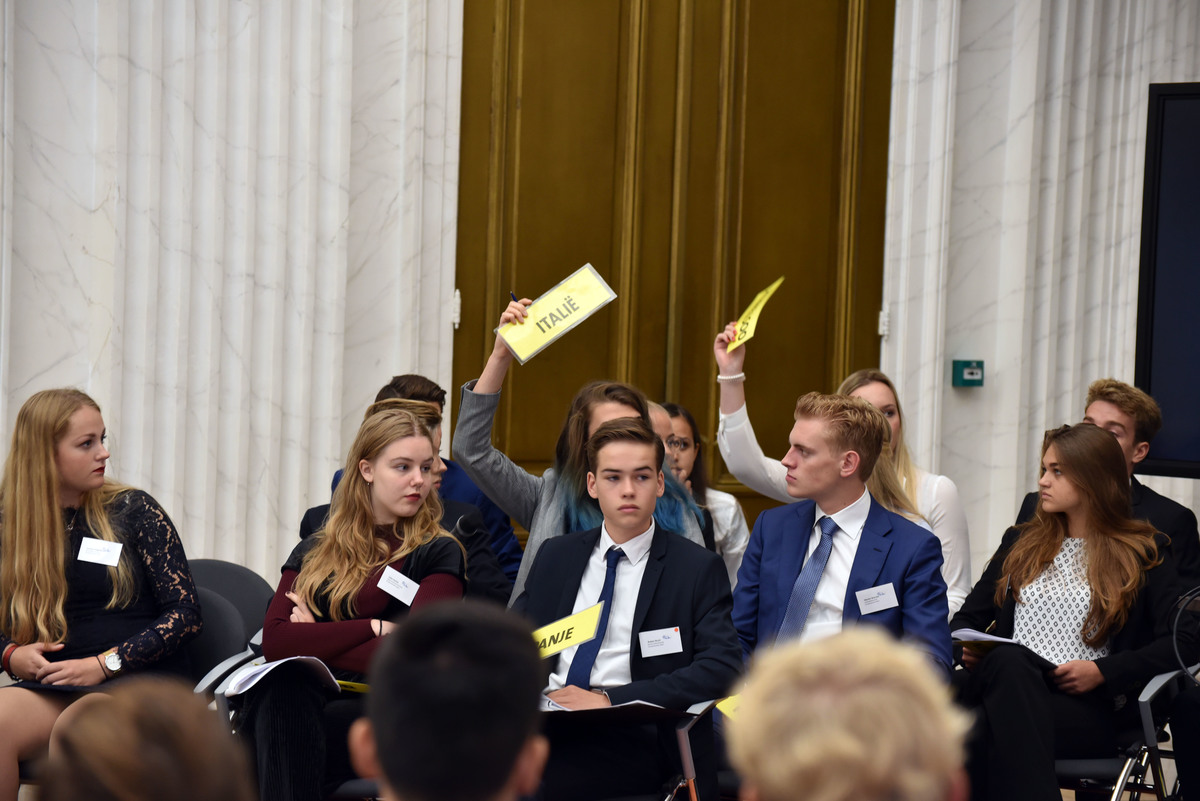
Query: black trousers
point(297, 730)
point(1023, 723)
point(593, 762)
point(1185, 737)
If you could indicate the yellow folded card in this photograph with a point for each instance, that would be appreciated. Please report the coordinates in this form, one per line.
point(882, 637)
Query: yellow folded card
point(571, 630)
point(749, 319)
point(569, 303)
point(729, 706)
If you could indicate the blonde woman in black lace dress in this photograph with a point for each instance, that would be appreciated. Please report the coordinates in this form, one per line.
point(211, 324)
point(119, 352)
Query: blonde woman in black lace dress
point(94, 584)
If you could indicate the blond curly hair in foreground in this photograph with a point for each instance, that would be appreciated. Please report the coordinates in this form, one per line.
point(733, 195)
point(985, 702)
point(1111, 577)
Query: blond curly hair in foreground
point(856, 716)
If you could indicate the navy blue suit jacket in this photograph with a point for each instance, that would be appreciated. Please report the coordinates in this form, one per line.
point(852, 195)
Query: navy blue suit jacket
point(683, 585)
point(891, 550)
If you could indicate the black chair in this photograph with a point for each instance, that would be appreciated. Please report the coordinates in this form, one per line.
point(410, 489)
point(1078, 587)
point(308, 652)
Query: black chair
point(223, 634)
point(1137, 767)
point(246, 590)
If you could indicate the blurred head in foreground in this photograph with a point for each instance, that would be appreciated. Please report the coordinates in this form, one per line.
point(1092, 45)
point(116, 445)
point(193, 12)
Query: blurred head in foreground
point(856, 716)
point(151, 738)
point(468, 678)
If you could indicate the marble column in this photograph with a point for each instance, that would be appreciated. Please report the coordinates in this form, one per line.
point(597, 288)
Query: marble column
point(230, 222)
point(1013, 233)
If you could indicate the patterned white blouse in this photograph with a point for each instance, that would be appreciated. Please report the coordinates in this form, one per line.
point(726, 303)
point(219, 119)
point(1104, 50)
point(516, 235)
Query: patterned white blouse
point(1049, 619)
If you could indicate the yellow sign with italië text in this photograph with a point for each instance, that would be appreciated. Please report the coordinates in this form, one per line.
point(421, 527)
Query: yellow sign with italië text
point(571, 630)
point(569, 303)
point(749, 319)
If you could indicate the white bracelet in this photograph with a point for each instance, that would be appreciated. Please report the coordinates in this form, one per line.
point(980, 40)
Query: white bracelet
point(735, 377)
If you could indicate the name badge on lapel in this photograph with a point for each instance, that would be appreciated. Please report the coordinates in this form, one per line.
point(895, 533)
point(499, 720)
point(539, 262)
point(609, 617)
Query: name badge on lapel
point(100, 552)
point(876, 599)
point(398, 585)
point(661, 642)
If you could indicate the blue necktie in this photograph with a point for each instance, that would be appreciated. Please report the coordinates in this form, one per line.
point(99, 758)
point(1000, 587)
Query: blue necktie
point(580, 673)
point(805, 588)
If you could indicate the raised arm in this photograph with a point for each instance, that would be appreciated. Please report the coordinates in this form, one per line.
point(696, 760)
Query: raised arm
point(496, 367)
point(508, 485)
point(735, 437)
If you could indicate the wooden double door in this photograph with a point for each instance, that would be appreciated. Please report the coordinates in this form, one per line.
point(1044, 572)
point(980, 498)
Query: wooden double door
point(693, 151)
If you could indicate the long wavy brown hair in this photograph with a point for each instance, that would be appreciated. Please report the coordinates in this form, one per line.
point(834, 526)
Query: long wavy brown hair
point(348, 550)
point(1119, 549)
point(33, 556)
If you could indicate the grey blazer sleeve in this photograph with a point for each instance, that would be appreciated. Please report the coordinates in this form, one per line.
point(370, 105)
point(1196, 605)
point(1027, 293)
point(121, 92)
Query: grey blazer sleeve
point(510, 487)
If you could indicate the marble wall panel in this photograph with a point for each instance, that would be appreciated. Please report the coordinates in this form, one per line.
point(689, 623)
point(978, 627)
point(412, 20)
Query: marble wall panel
point(1017, 157)
point(226, 221)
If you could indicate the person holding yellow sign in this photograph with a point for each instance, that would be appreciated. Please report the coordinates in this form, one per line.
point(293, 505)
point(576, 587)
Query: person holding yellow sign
point(556, 502)
point(897, 482)
point(665, 634)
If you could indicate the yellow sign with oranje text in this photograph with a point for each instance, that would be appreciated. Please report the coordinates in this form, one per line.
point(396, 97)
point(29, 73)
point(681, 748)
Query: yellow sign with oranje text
point(569, 303)
point(749, 319)
point(571, 630)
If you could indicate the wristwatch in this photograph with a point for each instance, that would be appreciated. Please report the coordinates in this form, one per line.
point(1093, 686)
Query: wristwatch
point(112, 661)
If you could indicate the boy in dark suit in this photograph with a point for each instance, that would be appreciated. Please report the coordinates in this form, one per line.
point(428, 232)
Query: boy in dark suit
point(839, 558)
point(665, 635)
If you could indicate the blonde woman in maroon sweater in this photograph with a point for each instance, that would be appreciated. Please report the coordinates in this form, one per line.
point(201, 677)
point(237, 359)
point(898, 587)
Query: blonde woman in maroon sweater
point(381, 553)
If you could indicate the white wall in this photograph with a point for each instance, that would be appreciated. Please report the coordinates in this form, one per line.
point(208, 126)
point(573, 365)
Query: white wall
point(1014, 209)
point(230, 222)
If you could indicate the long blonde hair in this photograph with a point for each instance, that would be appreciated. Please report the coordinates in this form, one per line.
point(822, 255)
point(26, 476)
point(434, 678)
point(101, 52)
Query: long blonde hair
point(1119, 549)
point(33, 556)
point(885, 487)
point(897, 456)
point(347, 551)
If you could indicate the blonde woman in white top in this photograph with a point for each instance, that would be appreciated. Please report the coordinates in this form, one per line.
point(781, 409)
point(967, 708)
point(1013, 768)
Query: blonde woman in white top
point(934, 496)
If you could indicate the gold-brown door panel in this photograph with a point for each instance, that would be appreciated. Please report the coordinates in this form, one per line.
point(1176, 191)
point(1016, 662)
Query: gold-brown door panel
point(692, 152)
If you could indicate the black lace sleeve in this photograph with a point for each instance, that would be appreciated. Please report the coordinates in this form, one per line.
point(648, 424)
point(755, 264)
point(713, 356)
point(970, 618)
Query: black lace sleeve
point(151, 532)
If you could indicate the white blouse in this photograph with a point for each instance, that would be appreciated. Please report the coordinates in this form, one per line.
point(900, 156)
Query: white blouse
point(936, 498)
point(1049, 619)
point(730, 532)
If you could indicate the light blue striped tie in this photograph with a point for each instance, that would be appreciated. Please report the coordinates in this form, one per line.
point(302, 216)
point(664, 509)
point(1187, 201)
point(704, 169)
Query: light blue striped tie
point(805, 588)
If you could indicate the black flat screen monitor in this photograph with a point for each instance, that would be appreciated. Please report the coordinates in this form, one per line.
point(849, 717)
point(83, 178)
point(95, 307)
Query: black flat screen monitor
point(1168, 321)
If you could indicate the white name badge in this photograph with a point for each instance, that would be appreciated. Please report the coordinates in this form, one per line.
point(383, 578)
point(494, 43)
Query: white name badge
point(101, 552)
point(398, 585)
point(660, 642)
point(876, 599)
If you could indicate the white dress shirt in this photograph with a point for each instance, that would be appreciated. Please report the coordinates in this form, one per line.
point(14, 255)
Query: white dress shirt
point(825, 614)
point(612, 663)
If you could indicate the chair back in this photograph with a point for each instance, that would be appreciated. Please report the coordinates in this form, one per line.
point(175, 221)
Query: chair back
point(222, 637)
point(246, 590)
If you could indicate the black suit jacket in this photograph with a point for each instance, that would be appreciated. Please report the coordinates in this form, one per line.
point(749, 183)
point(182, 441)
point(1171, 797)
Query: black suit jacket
point(1142, 648)
point(683, 585)
point(485, 577)
point(1171, 518)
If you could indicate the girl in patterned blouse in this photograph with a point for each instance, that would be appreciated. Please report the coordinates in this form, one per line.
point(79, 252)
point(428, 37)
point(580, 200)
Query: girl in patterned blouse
point(93, 578)
point(1086, 592)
